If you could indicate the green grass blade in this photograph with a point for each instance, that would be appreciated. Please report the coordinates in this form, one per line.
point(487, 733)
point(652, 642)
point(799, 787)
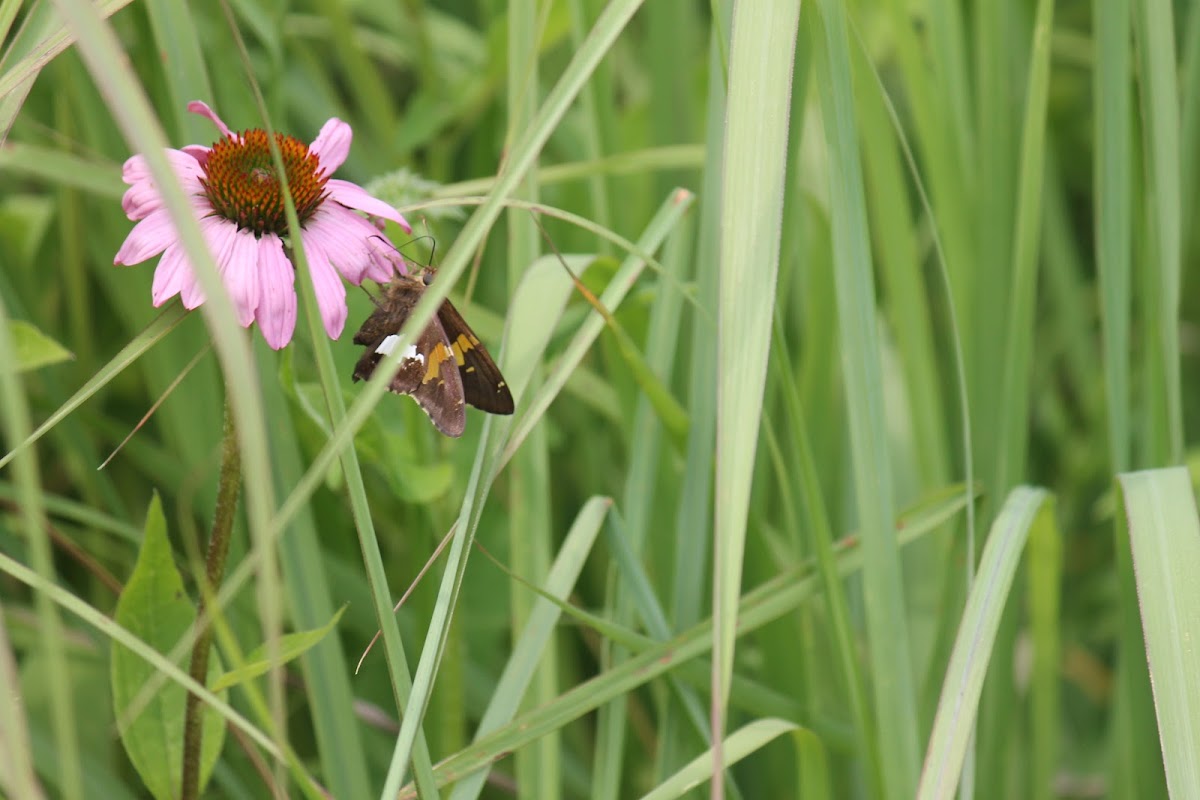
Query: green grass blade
point(969, 661)
point(1155, 36)
point(310, 598)
point(887, 624)
point(737, 745)
point(531, 644)
point(104, 624)
point(360, 508)
point(656, 231)
point(1114, 224)
point(807, 478)
point(186, 75)
point(1022, 293)
point(642, 479)
point(290, 646)
point(15, 422)
point(1045, 581)
point(17, 775)
point(755, 163)
point(1164, 536)
point(693, 518)
point(764, 604)
point(163, 324)
point(54, 43)
point(537, 769)
point(102, 179)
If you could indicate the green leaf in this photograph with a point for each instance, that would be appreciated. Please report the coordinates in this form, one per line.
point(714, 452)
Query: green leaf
point(1164, 535)
point(289, 647)
point(155, 608)
point(34, 348)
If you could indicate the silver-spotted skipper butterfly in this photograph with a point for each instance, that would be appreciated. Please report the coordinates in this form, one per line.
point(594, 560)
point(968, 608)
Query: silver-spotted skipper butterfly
point(447, 367)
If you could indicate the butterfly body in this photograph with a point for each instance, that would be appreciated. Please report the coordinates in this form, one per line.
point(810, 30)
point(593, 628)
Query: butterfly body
point(446, 368)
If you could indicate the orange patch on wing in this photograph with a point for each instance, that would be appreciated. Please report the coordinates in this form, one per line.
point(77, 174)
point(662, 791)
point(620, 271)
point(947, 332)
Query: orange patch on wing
point(461, 345)
point(436, 357)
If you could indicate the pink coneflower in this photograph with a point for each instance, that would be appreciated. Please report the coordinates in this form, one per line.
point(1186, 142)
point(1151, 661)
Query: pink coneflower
point(239, 203)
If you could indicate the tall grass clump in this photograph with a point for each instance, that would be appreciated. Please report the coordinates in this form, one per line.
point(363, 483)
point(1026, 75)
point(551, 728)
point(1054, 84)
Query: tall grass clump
point(852, 349)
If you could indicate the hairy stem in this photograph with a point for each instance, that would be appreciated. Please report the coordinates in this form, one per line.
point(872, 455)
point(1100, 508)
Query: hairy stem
point(218, 552)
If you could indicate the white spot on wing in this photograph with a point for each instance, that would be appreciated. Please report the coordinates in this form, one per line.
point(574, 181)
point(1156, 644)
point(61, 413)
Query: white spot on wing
point(389, 344)
point(411, 354)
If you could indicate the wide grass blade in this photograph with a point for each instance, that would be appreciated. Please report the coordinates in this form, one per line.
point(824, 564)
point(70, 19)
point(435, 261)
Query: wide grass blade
point(1164, 536)
point(755, 163)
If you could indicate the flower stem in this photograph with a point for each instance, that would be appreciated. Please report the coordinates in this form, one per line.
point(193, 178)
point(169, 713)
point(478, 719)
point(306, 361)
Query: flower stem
point(218, 552)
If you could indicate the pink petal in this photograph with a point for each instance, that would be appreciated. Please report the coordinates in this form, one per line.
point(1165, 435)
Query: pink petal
point(218, 235)
point(136, 169)
point(198, 152)
point(276, 312)
point(340, 231)
point(142, 197)
point(148, 238)
point(332, 145)
point(221, 237)
point(241, 275)
point(201, 108)
point(189, 289)
point(386, 260)
point(331, 294)
point(172, 268)
point(141, 200)
point(352, 195)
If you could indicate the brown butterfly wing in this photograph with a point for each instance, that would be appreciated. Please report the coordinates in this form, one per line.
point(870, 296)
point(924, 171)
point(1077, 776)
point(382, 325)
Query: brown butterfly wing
point(483, 385)
point(429, 375)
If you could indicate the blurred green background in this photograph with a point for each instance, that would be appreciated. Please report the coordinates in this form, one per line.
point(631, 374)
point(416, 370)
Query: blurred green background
point(864, 265)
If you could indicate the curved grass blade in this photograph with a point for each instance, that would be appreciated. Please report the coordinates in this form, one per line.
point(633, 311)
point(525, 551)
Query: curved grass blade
point(955, 718)
point(737, 745)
